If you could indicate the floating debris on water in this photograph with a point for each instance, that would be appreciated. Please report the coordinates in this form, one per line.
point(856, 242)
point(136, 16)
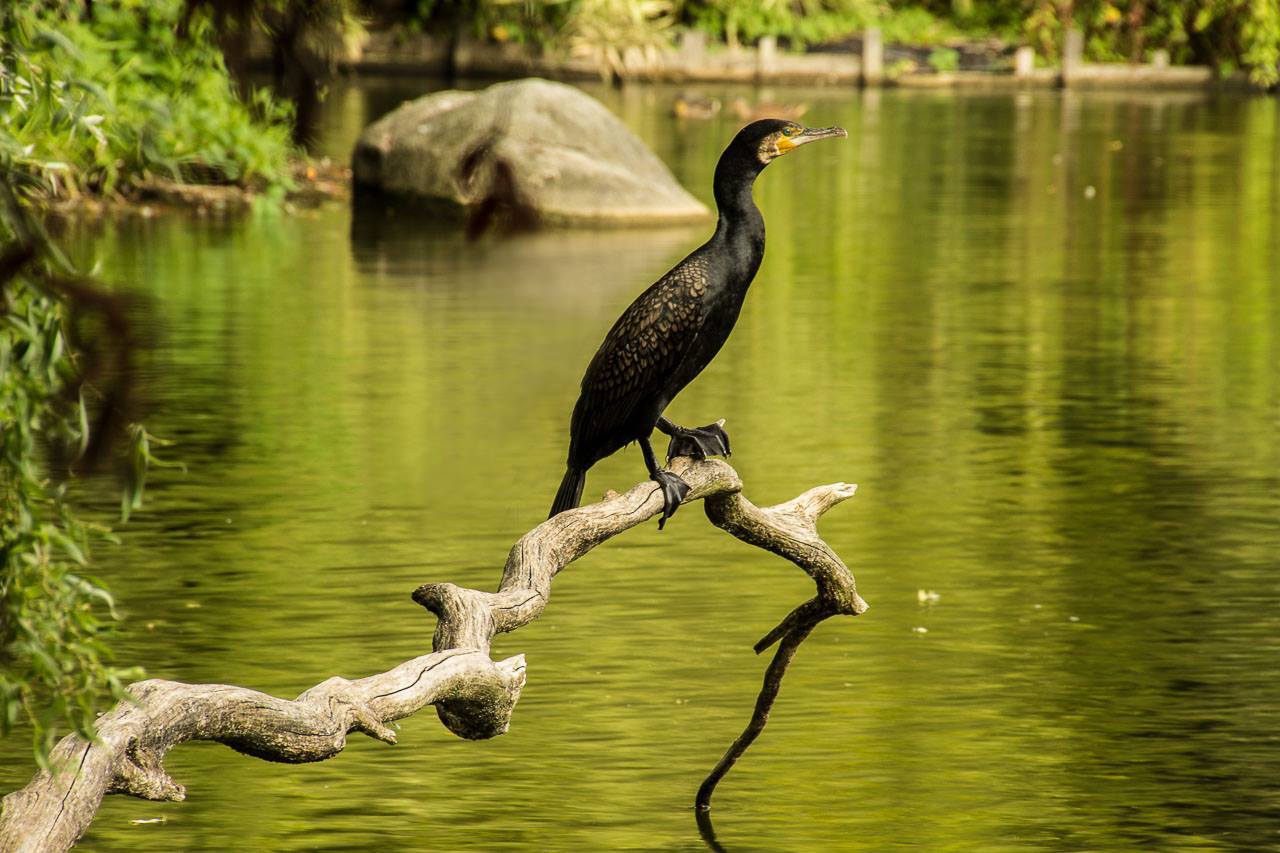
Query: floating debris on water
point(927, 596)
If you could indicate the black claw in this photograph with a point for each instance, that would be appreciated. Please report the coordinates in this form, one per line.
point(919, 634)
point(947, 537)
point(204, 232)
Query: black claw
point(710, 440)
point(673, 491)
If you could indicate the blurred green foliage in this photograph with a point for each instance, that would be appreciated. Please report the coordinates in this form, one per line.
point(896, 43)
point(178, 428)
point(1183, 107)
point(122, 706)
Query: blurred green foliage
point(944, 59)
point(621, 36)
point(84, 108)
point(97, 103)
point(1227, 34)
point(520, 21)
point(54, 663)
point(799, 21)
point(1230, 35)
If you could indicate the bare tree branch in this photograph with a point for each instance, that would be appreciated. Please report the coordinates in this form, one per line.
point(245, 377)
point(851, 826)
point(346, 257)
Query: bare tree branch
point(788, 530)
point(473, 696)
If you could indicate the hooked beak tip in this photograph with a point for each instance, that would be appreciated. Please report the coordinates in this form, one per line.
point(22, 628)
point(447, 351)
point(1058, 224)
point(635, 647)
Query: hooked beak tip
point(813, 134)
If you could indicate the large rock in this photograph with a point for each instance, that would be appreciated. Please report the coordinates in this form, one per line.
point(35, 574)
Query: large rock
point(549, 146)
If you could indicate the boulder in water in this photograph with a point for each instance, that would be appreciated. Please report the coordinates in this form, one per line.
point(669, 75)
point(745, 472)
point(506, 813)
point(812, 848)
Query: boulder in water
point(540, 146)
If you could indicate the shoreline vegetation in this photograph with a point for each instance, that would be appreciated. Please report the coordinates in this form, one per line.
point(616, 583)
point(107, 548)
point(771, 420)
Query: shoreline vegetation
point(864, 59)
point(313, 182)
point(110, 104)
point(99, 102)
point(121, 107)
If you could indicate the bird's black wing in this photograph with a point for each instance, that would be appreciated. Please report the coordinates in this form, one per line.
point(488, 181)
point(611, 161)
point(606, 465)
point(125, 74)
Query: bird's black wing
point(641, 352)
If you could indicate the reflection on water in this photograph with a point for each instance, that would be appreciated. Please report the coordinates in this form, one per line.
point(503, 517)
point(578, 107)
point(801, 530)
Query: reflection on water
point(707, 831)
point(1042, 332)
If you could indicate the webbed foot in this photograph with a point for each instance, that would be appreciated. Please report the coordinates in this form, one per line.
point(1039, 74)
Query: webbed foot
point(673, 491)
point(699, 443)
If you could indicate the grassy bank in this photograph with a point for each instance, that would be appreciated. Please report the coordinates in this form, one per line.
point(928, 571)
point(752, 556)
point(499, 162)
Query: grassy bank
point(103, 103)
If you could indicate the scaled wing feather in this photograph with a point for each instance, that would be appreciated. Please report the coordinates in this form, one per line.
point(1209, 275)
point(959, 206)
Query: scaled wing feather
point(643, 348)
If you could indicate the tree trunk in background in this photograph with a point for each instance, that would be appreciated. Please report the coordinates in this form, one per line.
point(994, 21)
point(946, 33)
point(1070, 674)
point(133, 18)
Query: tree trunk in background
point(1135, 19)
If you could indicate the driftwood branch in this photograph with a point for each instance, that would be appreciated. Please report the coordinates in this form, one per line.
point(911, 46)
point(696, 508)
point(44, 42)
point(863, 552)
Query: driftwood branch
point(788, 530)
point(473, 696)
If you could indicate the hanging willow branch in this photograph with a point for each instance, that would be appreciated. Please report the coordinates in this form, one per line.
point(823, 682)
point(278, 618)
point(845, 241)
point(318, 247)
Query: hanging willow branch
point(472, 695)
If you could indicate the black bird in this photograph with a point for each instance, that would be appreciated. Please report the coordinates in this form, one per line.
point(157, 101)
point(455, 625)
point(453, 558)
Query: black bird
point(673, 330)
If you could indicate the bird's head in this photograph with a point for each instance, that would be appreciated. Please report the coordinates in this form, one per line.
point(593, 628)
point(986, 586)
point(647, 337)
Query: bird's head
point(770, 138)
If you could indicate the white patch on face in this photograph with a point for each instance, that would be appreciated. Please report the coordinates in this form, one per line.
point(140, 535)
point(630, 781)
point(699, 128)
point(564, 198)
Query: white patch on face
point(768, 150)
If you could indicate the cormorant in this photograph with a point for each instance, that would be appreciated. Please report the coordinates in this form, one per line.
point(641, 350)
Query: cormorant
point(673, 330)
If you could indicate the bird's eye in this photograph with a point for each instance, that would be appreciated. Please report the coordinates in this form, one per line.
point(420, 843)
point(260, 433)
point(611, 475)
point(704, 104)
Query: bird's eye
point(788, 131)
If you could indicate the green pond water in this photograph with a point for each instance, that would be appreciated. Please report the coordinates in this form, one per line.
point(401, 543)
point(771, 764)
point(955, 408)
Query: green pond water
point(1041, 331)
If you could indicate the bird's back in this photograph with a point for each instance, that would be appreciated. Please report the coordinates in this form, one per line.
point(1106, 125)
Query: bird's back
point(636, 371)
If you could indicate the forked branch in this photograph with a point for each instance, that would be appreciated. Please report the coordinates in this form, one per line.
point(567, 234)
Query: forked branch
point(473, 696)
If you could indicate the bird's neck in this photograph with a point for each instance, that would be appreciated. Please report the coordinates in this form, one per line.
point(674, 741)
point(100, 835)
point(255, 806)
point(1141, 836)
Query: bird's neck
point(741, 227)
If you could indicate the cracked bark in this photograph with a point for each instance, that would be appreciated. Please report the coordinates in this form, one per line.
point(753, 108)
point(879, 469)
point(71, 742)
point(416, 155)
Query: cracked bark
point(473, 695)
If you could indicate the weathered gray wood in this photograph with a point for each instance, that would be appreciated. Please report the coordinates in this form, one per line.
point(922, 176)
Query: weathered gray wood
point(473, 696)
point(789, 530)
point(55, 809)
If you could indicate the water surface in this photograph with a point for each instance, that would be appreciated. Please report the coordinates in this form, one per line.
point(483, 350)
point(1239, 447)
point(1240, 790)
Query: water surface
point(1041, 331)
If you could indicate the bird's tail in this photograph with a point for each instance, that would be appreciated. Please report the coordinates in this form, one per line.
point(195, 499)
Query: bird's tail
point(570, 491)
